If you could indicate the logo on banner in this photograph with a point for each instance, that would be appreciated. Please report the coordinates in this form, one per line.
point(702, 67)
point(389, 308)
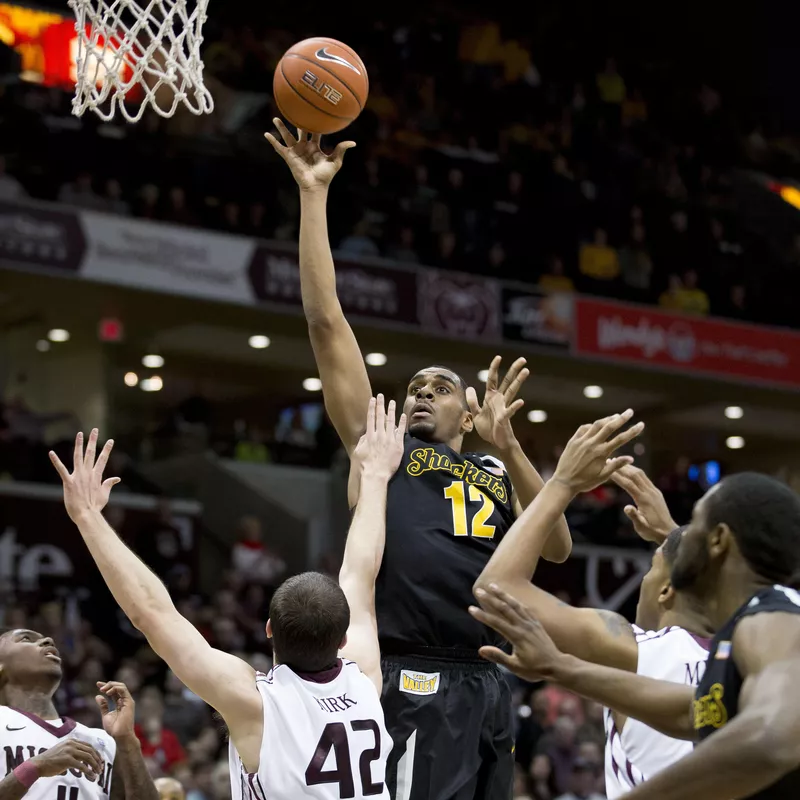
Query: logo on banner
point(40, 237)
point(544, 319)
point(368, 290)
point(460, 305)
point(677, 338)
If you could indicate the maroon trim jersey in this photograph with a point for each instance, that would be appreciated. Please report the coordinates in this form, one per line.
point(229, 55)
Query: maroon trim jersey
point(446, 513)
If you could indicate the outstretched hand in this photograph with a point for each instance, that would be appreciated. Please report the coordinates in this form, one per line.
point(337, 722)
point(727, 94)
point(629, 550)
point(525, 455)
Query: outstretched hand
point(312, 169)
point(85, 491)
point(493, 419)
point(380, 449)
point(534, 653)
point(650, 516)
point(118, 723)
point(587, 459)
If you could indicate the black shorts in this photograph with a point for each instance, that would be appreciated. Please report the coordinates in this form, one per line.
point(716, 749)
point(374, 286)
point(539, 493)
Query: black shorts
point(452, 730)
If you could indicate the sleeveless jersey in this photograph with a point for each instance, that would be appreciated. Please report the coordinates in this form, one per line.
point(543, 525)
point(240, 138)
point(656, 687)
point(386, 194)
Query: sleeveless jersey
point(23, 736)
point(638, 752)
point(717, 697)
point(446, 513)
point(324, 738)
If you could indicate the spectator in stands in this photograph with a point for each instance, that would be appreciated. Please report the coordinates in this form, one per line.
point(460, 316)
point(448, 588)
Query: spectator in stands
point(599, 261)
point(634, 109)
point(252, 559)
point(736, 307)
point(184, 712)
point(113, 199)
point(669, 298)
point(10, 188)
point(555, 279)
point(359, 243)
point(170, 789)
point(542, 778)
point(81, 194)
point(257, 220)
point(583, 782)
point(560, 746)
point(159, 744)
point(147, 204)
point(636, 265)
point(690, 297)
point(159, 543)
point(403, 249)
point(177, 210)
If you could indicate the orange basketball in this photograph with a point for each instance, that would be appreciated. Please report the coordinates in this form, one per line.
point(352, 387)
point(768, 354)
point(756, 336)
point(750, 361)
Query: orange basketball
point(320, 85)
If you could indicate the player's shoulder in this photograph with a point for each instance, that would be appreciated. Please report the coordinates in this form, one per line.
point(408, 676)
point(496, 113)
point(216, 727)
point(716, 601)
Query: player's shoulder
point(669, 638)
point(773, 598)
point(491, 464)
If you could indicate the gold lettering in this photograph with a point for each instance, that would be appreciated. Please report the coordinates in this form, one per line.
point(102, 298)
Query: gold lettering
point(425, 459)
point(709, 710)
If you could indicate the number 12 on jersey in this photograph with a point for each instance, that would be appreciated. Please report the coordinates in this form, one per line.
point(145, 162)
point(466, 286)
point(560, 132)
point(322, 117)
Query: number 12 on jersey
point(457, 493)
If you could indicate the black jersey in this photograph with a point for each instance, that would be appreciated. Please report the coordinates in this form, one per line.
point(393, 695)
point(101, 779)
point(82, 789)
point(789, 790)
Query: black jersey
point(446, 513)
point(717, 695)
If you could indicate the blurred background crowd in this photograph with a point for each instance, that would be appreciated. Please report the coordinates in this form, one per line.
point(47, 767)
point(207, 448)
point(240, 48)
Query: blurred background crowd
point(572, 156)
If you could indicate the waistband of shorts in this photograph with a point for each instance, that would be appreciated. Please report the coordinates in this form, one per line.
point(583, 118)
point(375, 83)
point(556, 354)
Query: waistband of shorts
point(395, 651)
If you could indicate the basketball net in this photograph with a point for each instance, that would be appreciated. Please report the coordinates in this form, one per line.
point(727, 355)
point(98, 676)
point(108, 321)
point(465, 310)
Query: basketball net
point(148, 51)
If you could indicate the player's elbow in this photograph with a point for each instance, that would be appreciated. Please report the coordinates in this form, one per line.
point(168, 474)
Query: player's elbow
point(777, 748)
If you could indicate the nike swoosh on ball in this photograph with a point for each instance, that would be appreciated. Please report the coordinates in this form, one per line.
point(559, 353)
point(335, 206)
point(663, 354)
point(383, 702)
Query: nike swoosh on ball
point(323, 55)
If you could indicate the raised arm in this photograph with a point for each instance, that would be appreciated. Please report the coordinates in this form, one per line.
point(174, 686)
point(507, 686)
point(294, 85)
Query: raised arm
point(600, 636)
point(376, 457)
point(345, 384)
point(761, 743)
point(660, 705)
point(225, 682)
point(493, 424)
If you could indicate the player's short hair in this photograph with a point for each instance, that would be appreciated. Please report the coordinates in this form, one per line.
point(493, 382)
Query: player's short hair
point(670, 547)
point(310, 617)
point(764, 517)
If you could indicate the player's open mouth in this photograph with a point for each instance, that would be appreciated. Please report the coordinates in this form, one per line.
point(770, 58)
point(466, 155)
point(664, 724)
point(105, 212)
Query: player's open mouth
point(53, 657)
point(421, 411)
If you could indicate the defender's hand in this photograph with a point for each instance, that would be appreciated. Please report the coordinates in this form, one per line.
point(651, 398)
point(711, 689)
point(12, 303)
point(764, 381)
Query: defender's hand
point(380, 449)
point(650, 516)
point(312, 169)
point(534, 653)
point(70, 754)
point(587, 459)
point(493, 418)
point(119, 722)
point(85, 490)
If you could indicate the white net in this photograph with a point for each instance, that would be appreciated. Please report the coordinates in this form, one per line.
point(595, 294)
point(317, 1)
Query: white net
point(146, 52)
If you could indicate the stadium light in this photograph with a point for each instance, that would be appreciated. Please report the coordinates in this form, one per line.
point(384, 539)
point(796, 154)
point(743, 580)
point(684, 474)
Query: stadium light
point(375, 359)
point(483, 375)
point(312, 384)
point(734, 412)
point(734, 442)
point(58, 335)
point(154, 384)
point(42, 345)
point(537, 415)
point(153, 361)
point(259, 342)
point(131, 379)
point(593, 392)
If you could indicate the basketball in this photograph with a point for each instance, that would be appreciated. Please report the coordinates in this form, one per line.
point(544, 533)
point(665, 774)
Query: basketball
point(320, 85)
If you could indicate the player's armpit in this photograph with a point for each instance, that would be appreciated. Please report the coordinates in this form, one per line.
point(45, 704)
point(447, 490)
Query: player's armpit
point(362, 647)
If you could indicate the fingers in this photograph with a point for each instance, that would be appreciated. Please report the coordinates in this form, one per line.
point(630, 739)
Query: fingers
point(286, 135)
point(87, 758)
point(495, 622)
point(102, 459)
point(110, 483)
point(603, 428)
point(316, 139)
point(513, 408)
point(277, 146)
point(513, 373)
point(494, 374)
point(102, 704)
point(625, 437)
point(91, 449)
point(497, 656)
point(511, 392)
point(495, 599)
point(114, 689)
point(62, 471)
point(391, 417)
point(77, 456)
point(380, 415)
point(636, 517)
point(401, 428)
point(472, 401)
point(612, 465)
point(370, 418)
point(340, 150)
point(622, 477)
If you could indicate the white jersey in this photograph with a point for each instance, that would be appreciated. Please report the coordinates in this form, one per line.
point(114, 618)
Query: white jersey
point(324, 738)
point(639, 752)
point(23, 736)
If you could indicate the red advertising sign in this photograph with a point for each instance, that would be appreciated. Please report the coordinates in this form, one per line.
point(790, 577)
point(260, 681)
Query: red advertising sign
point(689, 344)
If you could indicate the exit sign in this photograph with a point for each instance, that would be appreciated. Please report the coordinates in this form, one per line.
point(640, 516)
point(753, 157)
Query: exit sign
point(110, 330)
